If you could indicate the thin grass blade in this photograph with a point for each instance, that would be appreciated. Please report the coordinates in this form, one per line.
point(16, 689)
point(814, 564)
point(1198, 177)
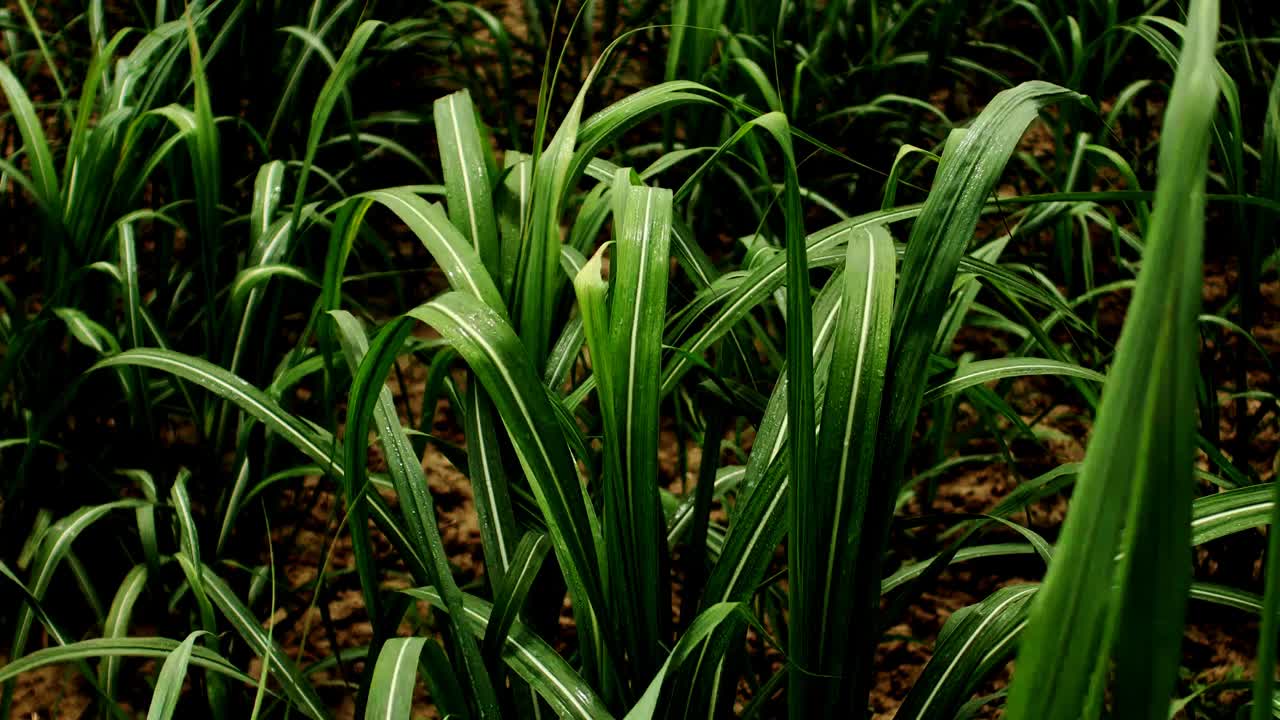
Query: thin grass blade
point(169, 683)
point(536, 662)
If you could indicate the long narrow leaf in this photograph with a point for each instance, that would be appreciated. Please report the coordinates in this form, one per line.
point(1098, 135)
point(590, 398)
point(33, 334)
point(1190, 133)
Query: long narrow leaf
point(833, 501)
point(169, 684)
point(1136, 478)
point(499, 360)
point(415, 504)
point(535, 661)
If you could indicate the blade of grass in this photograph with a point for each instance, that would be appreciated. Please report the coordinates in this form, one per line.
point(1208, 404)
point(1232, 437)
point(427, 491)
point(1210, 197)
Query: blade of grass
point(707, 621)
point(391, 691)
point(44, 174)
point(53, 550)
point(164, 700)
point(536, 662)
point(971, 164)
point(625, 346)
point(972, 642)
point(468, 189)
point(488, 477)
point(1264, 678)
point(334, 87)
point(499, 360)
point(1134, 492)
point(981, 371)
point(157, 648)
point(416, 505)
point(188, 558)
point(117, 624)
point(510, 596)
point(834, 503)
point(461, 263)
point(202, 144)
point(261, 644)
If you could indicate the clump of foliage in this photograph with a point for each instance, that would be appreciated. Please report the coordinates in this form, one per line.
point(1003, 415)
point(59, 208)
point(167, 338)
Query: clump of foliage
point(210, 294)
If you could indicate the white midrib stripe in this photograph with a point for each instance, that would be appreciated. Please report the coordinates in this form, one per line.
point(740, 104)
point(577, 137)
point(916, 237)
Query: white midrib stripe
point(466, 178)
point(46, 573)
point(827, 323)
point(533, 660)
point(1028, 369)
point(266, 647)
point(1207, 595)
point(524, 412)
point(782, 488)
point(972, 637)
point(457, 259)
point(77, 321)
point(188, 531)
point(524, 182)
point(273, 176)
point(684, 515)
point(387, 423)
point(493, 499)
point(310, 448)
point(71, 185)
point(524, 193)
point(841, 480)
point(629, 415)
point(755, 536)
point(999, 647)
point(1256, 507)
point(395, 676)
point(712, 330)
point(126, 87)
point(69, 533)
point(117, 624)
point(268, 254)
point(528, 562)
point(115, 620)
point(129, 261)
point(715, 693)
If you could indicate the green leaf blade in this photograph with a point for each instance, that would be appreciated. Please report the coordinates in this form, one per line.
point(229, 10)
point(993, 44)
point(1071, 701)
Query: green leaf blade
point(1134, 491)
